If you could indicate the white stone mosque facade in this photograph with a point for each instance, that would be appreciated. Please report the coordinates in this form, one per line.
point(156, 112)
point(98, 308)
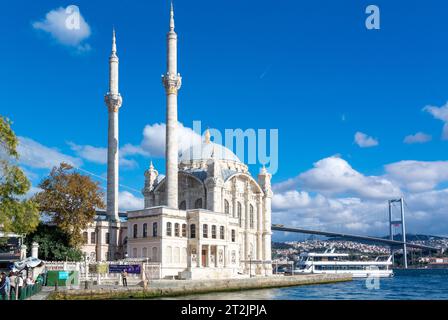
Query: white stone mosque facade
point(207, 218)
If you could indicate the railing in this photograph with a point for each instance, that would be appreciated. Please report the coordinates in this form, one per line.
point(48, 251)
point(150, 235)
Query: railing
point(26, 292)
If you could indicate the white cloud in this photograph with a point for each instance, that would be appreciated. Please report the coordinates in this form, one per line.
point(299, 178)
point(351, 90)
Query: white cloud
point(354, 215)
point(67, 26)
point(152, 145)
point(99, 155)
point(129, 149)
point(364, 141)
point(419, 137)
point(35, 155)
point(440, 113)
point(154, 138)
point(127, 201)
point(418, 176)
point(90, 153)
point(335, 197)
point(334, 175)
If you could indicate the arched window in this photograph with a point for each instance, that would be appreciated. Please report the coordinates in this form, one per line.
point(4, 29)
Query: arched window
point(145, 230)
point(226, 206)
point(176, 230)
point(251, 219)
point(233, 235)
point(205, 231)
point(154, 254)
point(168, 229)
point(169, 254)
point(183, 205)
point(144, 253)
point(176, 258)
point(240, 215)
point(192, 231)
point(134, 253)
point(213, 232)
point(184, 230)
point(198, 204)
point(135, 231)
point(107, 237)
point(221, 232)
point(154, 229)
point(92, 237)
point(85, 237)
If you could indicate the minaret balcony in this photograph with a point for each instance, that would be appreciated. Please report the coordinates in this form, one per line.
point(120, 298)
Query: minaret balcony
point(113, 101)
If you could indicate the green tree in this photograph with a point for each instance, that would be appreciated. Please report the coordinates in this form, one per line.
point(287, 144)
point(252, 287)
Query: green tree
point(70, 200)
point(53, 244)
point(17, 214)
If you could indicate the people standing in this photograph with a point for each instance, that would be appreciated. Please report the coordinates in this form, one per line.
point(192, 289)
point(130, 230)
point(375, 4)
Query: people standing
point(19, 285)
point(124, 276)
point(7, 285)
point(3, 294)
point(12, 282)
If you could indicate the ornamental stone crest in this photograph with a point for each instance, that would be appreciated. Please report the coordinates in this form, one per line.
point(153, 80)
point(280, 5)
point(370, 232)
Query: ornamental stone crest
point(113, 102)
point(172, 83)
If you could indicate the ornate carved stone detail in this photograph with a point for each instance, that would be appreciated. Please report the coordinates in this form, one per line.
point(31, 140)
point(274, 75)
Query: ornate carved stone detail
point(214, 182)
point(113, 102)
point(172, 83)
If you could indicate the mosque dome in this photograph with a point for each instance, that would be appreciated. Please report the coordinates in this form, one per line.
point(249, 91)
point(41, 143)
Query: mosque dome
point(204, 151)
point(207, 150)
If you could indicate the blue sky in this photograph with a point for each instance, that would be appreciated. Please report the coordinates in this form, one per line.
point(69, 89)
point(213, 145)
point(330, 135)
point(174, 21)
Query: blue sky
point(310, 69)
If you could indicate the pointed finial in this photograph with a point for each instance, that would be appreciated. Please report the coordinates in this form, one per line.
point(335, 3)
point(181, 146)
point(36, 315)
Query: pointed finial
point(114, 44)
point(263, 170)
point(151, 166)
point(207, 136)
point(172, 17)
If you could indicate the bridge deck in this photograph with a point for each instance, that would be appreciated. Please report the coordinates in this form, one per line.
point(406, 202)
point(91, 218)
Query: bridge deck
point(351, 236)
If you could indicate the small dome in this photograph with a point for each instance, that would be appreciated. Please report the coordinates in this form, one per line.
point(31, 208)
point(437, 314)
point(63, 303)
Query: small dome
point(207, 150)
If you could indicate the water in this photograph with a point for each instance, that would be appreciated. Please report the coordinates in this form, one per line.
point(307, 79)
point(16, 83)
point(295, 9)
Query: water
point(405, 285)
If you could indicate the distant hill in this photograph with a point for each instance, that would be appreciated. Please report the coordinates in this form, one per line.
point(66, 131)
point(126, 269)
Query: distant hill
point(416, 237)
point(398, 237)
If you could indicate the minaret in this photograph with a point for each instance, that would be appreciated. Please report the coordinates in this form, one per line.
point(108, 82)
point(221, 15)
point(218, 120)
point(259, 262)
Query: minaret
point(113, 101)
point(172, 83)
point(150, 178)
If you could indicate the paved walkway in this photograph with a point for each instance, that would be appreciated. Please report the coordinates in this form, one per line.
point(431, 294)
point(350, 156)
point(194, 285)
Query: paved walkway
point(43, 294)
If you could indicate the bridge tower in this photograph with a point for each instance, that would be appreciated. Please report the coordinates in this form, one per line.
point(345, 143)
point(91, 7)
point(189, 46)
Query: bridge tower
point(399, 222)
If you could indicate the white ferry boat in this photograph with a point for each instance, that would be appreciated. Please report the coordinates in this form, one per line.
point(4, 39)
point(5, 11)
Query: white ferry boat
point(331, 262)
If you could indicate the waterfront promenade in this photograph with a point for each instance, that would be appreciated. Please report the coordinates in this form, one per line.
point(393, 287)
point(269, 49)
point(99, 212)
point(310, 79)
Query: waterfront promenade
point(175, 288)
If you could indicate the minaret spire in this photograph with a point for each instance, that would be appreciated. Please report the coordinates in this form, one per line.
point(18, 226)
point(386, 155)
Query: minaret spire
point(114, 44)
point(172, 83)
point(113, 102)
point(172, 17)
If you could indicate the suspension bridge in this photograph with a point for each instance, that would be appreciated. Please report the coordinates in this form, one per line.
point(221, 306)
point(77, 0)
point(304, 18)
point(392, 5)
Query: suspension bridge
point(393, 222)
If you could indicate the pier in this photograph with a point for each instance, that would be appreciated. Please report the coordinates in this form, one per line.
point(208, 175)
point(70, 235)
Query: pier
point(174, 288)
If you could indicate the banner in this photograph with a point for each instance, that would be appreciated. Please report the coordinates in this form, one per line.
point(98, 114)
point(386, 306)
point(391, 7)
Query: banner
point(130, 268)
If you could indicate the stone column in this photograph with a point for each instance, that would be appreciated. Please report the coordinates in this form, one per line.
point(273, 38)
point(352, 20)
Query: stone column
point(209, 253)
point(267, 235)
point(35, 250)
point(226, 256)
point(23, 252)
point(234, 201)
point(214, 188)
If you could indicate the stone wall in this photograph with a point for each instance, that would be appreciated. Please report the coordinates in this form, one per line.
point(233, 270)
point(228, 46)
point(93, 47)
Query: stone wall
point(159, 288)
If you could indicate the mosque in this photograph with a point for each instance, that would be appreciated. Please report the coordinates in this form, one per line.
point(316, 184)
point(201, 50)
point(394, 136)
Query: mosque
point(208, 218)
